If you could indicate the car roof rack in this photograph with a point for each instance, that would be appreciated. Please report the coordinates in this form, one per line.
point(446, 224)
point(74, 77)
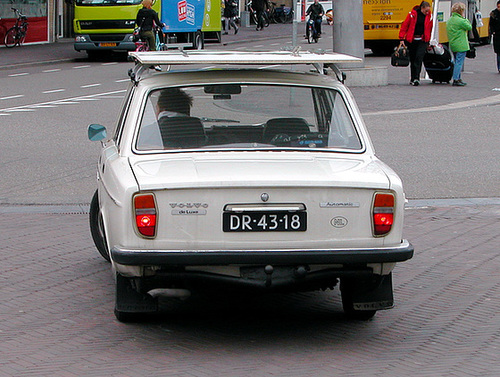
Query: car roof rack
point(319, 59)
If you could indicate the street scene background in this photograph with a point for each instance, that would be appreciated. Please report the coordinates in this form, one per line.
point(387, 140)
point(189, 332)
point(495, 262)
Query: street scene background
point(58, 294)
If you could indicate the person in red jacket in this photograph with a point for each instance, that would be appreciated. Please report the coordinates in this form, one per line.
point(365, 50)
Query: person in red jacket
point(416, 31)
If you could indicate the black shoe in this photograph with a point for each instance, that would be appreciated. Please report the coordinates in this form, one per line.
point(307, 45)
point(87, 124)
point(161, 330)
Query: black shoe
point(236, 31)
point(225, 33)
point(458, 83)
point(414, 83)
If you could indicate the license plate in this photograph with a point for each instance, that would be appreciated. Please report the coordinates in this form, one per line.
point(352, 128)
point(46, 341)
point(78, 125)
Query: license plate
point(107, 44)
point(264, 221)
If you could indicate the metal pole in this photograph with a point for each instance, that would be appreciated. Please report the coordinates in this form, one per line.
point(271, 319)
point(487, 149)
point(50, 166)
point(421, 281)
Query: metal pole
point(294, 23)
point(348, 34)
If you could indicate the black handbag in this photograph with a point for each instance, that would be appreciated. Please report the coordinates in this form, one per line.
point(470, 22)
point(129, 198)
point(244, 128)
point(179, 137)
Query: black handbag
point(471, 54)
point(400, 57)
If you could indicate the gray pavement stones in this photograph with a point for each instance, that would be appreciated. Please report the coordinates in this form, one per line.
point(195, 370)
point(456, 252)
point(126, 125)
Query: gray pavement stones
point(57, 319)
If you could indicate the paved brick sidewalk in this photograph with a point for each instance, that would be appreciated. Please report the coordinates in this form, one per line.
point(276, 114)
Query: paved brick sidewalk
point(57, 312)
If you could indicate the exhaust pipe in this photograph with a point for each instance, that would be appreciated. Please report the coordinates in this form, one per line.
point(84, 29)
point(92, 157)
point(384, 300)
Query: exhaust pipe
point(170, 292)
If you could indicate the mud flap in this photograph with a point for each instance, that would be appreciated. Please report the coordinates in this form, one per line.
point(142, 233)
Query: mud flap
point(129, 300)
point(366, 294)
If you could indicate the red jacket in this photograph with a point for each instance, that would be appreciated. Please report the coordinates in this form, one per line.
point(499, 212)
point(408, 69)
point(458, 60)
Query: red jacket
point(408, 26)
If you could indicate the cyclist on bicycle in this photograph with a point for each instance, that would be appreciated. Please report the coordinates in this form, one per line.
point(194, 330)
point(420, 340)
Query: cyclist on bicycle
point(316, 12)
point(146, 19)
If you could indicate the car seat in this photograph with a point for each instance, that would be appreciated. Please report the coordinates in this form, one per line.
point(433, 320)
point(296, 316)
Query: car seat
point(182, 132)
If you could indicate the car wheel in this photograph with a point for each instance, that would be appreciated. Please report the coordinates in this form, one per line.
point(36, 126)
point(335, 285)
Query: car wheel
point(97, 227)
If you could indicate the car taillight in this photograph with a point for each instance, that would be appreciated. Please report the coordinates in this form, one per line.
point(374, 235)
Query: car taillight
point(145, 214)
point(383, 213)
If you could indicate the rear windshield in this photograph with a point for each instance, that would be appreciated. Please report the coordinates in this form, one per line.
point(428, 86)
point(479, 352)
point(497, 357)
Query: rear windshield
point(235, 116)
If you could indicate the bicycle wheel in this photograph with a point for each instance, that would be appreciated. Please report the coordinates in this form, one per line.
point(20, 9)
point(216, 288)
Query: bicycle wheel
point(309, 34)
point(11, 37)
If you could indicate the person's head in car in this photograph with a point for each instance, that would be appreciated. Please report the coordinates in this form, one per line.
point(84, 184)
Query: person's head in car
point(174, 102)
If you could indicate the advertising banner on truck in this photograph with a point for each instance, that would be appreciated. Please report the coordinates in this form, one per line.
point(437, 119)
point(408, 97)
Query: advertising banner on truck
point(190, 15)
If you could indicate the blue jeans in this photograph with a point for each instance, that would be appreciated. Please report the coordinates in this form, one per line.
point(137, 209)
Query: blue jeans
point(459, 63)
point(498, 62)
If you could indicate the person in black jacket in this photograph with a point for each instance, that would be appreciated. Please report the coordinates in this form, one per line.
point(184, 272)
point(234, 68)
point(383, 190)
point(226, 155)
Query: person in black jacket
point(316, 12)
point(147, 19)
point(494, 30)
point(260, 6)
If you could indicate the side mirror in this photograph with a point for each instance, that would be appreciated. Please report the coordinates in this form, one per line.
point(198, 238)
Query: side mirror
point(96, 132)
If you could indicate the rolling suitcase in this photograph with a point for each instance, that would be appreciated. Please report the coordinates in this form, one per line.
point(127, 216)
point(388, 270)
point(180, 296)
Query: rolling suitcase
point(438, 63)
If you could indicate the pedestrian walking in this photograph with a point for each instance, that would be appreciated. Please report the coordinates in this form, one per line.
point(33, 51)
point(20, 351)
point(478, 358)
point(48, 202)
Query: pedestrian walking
point(230, 13)
point(494, 30)
point(457, 28)
point(260, 6)
point(416, 31)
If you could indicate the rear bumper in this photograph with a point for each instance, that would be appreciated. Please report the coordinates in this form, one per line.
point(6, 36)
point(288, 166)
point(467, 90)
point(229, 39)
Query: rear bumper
point(399, 253)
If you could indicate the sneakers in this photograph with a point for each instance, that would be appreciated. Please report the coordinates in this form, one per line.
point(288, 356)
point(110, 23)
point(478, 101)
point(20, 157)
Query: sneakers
point(459, 83)
point(414, 83)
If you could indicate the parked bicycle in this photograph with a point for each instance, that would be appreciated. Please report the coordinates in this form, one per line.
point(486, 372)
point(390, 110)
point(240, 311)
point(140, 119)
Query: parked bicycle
point(283, 14)
point(17, 33)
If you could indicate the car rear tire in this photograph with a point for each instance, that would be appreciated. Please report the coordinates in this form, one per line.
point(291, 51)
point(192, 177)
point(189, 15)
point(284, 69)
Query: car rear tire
point(97, 227)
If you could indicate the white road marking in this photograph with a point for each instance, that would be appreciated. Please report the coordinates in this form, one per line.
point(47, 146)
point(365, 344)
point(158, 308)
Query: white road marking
point(111, 63)
point(122, 80)
point(22, 110)
point(12, 97)
point(66, 101)
point(81, 66)
point(89, 85)
point(53, 91)
point(271, 66)
point(493, 100)
point(52, 70)
point(19, 74)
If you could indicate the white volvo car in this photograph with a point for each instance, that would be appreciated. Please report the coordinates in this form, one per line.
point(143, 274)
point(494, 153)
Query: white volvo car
point(243, 176)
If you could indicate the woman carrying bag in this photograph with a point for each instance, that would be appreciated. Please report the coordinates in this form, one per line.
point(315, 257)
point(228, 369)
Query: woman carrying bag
point(416, 31)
